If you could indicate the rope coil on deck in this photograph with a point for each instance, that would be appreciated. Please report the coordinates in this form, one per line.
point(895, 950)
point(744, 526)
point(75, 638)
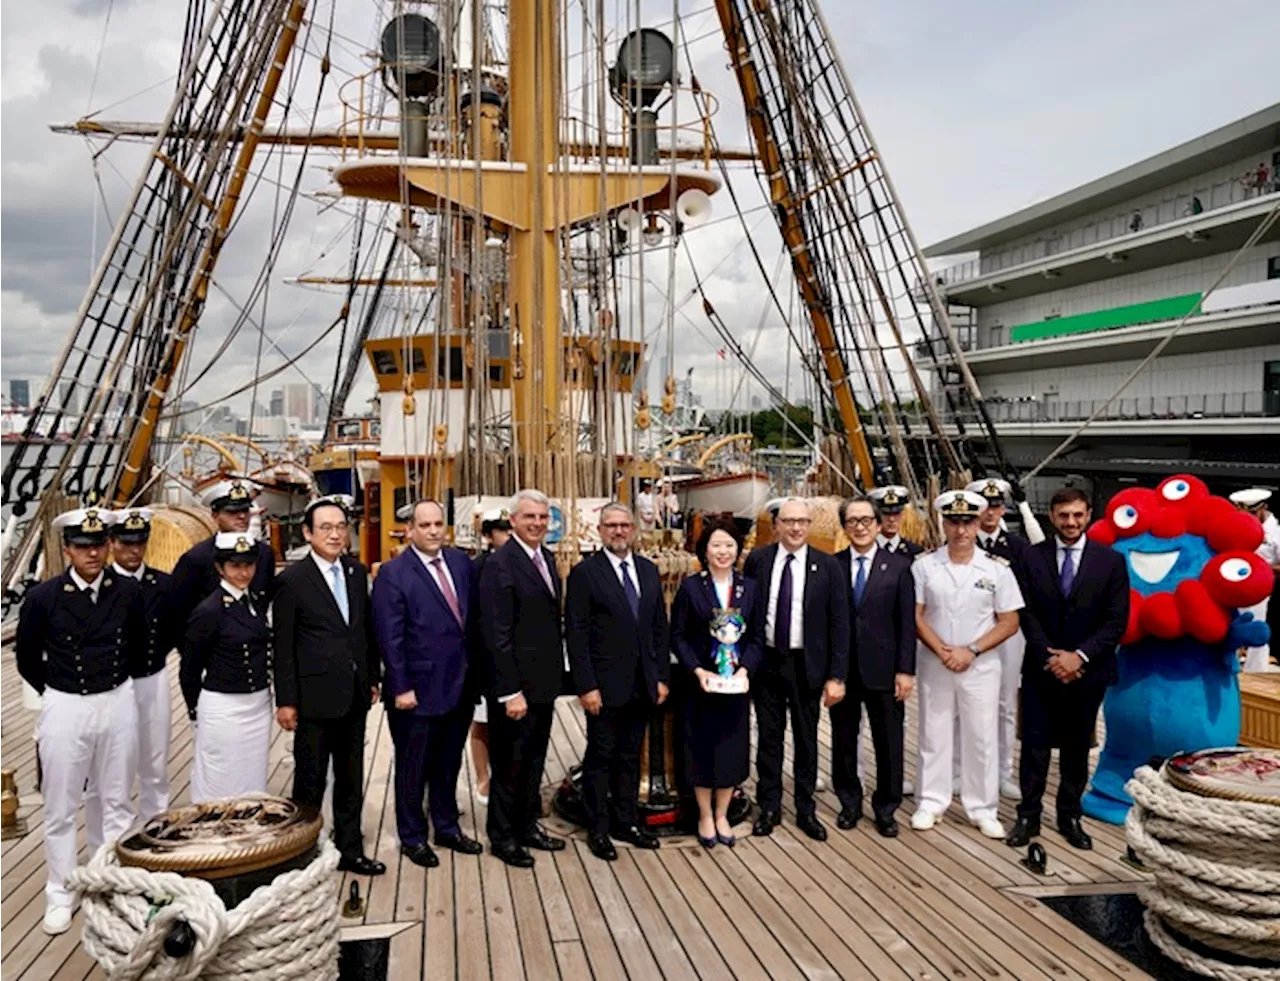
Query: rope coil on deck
point(282, 931)
point(1216, 868)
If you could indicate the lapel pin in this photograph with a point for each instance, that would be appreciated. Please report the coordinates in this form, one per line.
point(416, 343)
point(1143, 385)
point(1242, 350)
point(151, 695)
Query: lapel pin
point(106, 582)
point(68, 588)
point(813, 568)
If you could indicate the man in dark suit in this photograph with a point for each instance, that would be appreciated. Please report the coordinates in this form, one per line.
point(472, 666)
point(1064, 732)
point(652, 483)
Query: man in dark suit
point(806, 659)
point(520, 596)
point(1076, 612)
point(326, 672)
point(620, 658)
point(882, 667)
point(194, 577)
point(421, 605)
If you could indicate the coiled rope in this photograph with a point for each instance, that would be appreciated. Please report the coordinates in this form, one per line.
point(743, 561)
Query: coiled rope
point(282, 931)
point(1216, 868)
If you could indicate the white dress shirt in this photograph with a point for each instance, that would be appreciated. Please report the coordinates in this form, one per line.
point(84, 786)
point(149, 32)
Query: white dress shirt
point(437, 570)
point(121, 571)
point(854, 555)
point(94, 587)
point(1076, 550)
point(616, 561)
point(798, 570)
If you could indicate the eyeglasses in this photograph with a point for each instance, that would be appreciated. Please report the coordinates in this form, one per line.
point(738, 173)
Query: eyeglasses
point(617, 526)
point(860, 522)
point(332, 529)
point(795, 521)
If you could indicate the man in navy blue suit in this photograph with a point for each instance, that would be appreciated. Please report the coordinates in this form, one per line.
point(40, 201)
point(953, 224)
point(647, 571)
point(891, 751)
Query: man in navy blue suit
point(420, 608)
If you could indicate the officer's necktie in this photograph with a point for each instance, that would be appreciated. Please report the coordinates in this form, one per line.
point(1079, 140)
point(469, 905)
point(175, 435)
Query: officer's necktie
point(629, 587)
point(339, 587)
point(450, 596)
point(93, 594)
point(1068, 575)
point(782, 615)
point(860, 583)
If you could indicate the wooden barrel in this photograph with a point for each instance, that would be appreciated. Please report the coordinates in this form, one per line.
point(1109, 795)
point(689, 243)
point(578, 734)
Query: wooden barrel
point(174, 529)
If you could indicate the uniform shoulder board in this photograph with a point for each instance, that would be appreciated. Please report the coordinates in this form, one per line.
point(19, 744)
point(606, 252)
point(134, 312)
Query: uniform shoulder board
point(1000, 560)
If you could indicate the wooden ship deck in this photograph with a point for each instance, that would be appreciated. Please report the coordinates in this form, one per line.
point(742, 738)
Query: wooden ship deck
point(945, 904)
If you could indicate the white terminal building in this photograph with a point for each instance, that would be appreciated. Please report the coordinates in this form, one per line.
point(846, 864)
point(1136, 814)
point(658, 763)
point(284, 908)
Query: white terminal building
point(1066, 297)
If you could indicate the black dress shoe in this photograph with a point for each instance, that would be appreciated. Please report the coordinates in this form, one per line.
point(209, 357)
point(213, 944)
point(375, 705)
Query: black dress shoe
point(602, 847)
point(1023, 831)
point(420, 855)
point(848, 819)
point(513, 855)
point(459, 843)
point(543, 842)
point(810, 825)
point(361, 865)
point(765, 823)
point(636, 837)
point(1076, 836)
point(888, 827)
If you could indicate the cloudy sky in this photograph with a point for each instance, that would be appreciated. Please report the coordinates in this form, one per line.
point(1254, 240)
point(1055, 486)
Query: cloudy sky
point(979, 108)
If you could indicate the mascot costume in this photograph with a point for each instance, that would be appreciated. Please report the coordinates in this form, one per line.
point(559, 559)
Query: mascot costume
point(1192, 568)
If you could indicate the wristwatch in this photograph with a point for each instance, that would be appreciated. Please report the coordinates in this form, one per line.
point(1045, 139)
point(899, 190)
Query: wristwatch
point(975, 649)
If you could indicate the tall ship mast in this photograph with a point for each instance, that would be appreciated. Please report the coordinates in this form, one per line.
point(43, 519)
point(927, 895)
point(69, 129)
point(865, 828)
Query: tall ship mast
point(528, 183)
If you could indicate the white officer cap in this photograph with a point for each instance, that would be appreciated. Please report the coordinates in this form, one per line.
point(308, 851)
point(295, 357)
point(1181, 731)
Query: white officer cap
point(892, 499)
point(231, 546)
point(84, 526)
point(993, 489)
point(959, 505)
point(1252, 497)
point(232, 494)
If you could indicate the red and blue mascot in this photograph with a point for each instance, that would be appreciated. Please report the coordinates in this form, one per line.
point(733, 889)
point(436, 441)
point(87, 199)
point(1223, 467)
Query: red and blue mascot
point(1192, 568)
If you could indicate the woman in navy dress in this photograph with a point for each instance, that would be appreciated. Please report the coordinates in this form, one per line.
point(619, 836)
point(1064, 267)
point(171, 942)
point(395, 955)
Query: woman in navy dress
point(717, 726)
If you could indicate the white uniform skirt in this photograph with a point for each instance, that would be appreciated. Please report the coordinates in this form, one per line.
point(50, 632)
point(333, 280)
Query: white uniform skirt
point(233, 736)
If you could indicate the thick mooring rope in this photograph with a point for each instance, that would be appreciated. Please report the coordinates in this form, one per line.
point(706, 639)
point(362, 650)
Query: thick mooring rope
point(283, 931)
point(1216, 868)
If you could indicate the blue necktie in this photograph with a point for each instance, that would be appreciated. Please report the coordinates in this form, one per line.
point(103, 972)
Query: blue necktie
point(782, 614)
point(860, 583)
point(340, 591)
point(629, 587)
point(1068, 575)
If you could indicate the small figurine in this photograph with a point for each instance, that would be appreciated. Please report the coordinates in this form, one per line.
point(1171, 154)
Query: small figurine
point(727, 627)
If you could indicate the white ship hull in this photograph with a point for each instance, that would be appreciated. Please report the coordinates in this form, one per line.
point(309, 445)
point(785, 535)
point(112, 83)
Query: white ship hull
point(741, 494)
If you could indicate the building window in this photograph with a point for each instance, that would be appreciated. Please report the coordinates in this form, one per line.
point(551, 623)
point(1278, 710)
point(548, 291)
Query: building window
point(997, 335)
point(1273, 267)
point(1271, 388)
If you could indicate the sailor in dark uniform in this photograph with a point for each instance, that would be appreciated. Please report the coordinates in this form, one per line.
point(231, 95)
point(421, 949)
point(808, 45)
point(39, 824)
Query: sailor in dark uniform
point(996, 541)
point(893, 500)
point(129, 537)
point(194, 577)
point(226, 677)
point(81, 635)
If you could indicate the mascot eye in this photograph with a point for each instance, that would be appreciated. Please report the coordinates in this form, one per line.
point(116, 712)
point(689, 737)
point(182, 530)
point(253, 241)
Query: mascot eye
point(1236, 570)
point(1125, 517)
point(1176, 490)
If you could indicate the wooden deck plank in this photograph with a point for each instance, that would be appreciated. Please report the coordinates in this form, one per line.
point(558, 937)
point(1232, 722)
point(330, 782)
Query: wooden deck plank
point(948, 904)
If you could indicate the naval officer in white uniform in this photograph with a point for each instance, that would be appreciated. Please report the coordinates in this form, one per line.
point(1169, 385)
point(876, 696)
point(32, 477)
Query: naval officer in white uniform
point(81, 635)
point(967, 604)
point(1255, 501)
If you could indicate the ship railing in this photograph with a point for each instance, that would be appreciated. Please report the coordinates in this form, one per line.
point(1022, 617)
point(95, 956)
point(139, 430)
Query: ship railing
point(365, 130)
point(1147, 408)
point(1116, 226)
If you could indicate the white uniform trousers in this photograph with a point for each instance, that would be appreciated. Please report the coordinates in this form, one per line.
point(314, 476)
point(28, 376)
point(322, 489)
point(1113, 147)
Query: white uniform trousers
point(1011, 653)
point(81, 738)
point(1258, 658)
point(233, 737)
point(151, 697)
point(972, 696)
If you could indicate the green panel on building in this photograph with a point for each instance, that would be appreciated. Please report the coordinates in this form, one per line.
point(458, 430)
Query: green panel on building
point(1170, 308)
